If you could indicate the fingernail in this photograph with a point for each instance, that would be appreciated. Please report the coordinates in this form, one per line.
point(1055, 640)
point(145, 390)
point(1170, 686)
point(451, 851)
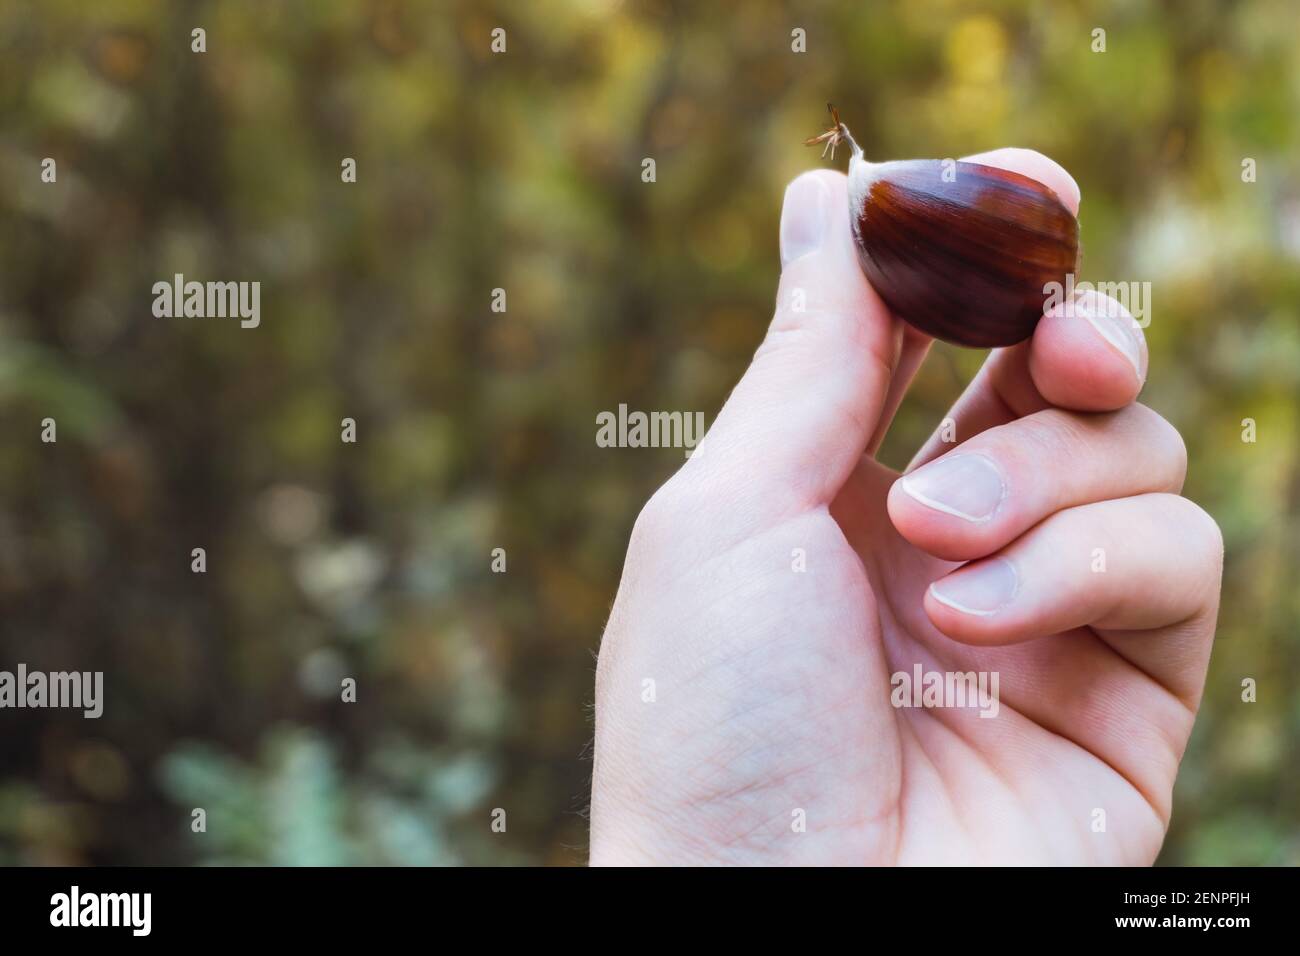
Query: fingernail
point(805, 217)
point(1115, 323)
point(966, 486)
point(981, 589)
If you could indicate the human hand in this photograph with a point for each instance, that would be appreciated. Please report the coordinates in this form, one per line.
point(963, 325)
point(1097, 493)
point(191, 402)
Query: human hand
point(772, 685)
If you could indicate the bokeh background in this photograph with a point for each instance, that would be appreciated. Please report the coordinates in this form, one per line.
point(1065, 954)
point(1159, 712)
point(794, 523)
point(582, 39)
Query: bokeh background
point(476, 430)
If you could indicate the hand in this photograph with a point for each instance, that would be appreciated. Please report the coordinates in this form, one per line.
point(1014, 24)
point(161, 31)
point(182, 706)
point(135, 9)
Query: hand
point(1088, 586)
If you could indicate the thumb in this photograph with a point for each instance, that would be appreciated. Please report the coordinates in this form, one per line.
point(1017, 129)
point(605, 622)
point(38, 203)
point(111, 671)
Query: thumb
point(802, 415)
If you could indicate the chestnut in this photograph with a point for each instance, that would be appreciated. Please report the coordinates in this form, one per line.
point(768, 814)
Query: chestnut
point(964, 252)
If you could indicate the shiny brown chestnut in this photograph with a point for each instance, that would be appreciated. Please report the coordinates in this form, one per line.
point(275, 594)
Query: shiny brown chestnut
point(962, 251)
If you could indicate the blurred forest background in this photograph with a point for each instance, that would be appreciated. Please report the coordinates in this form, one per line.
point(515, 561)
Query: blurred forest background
point(476, 429)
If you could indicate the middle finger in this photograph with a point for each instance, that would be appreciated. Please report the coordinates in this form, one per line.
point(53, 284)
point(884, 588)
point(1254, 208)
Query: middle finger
point(989, 490)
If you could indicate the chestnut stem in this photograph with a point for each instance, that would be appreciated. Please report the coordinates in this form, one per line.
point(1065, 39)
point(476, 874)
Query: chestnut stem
point(848, 138)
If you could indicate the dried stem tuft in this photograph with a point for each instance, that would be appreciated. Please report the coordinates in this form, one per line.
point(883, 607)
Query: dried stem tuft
point(837, 133)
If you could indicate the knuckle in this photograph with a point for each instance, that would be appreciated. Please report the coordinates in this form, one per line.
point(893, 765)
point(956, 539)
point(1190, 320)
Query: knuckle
point(1213, 536)
point(1059, 435)
point(1055, 434)
point(1204, 533)
point(654, 519)
point(663, 517)
point(812, 307)
point(1155, 431)
point(800, 317)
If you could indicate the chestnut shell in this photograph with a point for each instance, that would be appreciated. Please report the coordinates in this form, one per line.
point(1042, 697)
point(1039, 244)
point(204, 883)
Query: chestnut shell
point(967, 260)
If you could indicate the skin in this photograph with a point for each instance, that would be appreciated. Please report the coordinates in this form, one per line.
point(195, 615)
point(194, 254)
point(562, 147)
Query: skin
point(772, 686)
